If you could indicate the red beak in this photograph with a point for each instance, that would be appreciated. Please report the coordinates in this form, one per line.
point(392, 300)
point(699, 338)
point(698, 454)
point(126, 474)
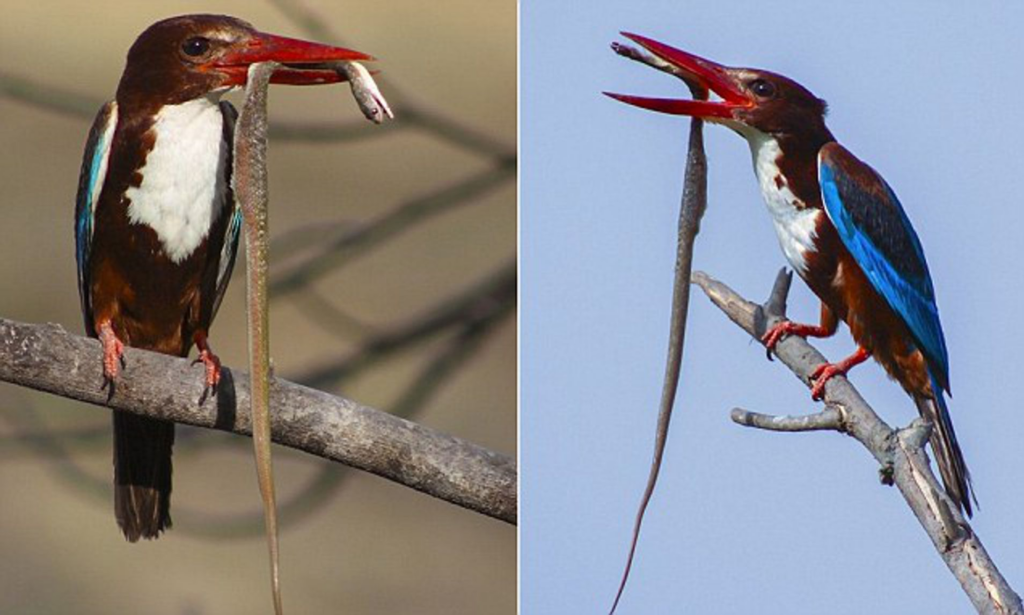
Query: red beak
point(303, 61)
point(705, 73)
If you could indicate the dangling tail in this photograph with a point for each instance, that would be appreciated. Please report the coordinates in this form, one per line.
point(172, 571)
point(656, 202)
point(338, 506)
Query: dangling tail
point(142, 475)
point(947, 453)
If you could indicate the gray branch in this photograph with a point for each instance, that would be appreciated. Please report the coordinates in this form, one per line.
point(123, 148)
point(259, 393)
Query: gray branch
point(900, 452)
point(47, 358)
point(827, 419)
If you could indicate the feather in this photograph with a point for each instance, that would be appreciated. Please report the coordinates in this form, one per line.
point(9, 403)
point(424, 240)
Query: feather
point(90, 185)
point(876, 231)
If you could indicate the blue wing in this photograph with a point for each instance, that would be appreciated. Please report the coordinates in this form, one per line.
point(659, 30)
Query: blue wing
point(90, 185)
point(230, 248)
point(875, 229)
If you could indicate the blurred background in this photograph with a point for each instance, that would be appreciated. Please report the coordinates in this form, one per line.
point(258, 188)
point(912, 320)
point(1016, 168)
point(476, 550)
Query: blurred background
point(747, 521)
point(393, 273)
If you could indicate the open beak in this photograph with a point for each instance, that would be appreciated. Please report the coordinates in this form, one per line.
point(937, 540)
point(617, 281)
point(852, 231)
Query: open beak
point(705, 74)
point(304, 63)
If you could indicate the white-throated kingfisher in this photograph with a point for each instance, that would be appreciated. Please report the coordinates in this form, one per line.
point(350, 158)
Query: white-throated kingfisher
point(841, 228)
point(156, 224)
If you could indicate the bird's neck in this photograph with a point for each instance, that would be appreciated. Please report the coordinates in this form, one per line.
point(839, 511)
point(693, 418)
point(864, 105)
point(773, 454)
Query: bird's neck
point(790, 162)
point(184, 175)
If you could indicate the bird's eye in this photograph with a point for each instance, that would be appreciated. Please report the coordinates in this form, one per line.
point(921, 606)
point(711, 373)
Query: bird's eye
point(195, 46)
point(762, 88)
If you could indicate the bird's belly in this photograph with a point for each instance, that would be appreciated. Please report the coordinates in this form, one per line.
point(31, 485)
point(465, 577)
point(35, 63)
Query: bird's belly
point(151, 302)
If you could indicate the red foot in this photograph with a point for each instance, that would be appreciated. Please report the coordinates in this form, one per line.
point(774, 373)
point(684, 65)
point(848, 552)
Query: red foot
point(207, 358)
point(113, 350)
point(826, 371)
point(774, 335)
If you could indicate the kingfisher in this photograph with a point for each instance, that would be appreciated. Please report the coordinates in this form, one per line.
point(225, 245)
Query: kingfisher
point(156, 223)
point(841, 228)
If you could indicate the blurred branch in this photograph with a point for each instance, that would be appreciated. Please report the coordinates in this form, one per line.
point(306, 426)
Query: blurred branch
point(478, 306)
point(900, 452)
point(459, 307)
point(47, 358)
point(328, 316)
point(361, 237)
point(49, 97)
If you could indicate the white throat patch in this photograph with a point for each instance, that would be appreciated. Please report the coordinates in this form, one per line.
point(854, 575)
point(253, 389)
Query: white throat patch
point(795, 225)
point(183, 188)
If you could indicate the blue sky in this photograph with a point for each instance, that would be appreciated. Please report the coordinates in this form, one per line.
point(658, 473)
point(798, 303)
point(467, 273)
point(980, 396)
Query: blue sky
point(743, 520)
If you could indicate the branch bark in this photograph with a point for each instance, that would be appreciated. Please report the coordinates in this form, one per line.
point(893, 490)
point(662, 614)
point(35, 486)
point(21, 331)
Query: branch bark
point(900, 452)
point(47, 358)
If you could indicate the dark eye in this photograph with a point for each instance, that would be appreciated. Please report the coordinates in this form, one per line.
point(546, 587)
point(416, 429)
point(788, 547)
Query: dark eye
point(196, 46)
point(762, 88)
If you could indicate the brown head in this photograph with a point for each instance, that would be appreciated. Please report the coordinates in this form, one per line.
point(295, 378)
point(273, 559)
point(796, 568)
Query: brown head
point(182, 58)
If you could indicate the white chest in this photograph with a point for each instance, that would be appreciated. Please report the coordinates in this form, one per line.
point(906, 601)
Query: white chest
point(183, 188)
point(795, 225)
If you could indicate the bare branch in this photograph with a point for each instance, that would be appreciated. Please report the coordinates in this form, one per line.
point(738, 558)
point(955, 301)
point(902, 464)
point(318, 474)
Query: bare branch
point(827, 419)
point(901, 453)
point(47, 358)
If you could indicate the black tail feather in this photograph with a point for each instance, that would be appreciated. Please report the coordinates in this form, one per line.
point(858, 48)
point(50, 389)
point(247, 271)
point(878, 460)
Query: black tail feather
point(946, 450)
point(142, 475)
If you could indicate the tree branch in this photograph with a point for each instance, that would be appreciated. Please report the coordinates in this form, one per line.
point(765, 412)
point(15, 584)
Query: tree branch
point(47, 358)
point(827, 419)
point(901, 452)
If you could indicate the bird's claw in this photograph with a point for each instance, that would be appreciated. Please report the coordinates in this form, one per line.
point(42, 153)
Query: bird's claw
point(780, 330)
point(774, 335)
point(210, 360)
point(822, 374)
point(826, 371)
point(113, 352)
point(212, 364)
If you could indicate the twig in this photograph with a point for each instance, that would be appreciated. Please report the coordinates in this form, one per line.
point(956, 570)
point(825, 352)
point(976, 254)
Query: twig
point(827, 419)
point(901, 453)
point(47, 358)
